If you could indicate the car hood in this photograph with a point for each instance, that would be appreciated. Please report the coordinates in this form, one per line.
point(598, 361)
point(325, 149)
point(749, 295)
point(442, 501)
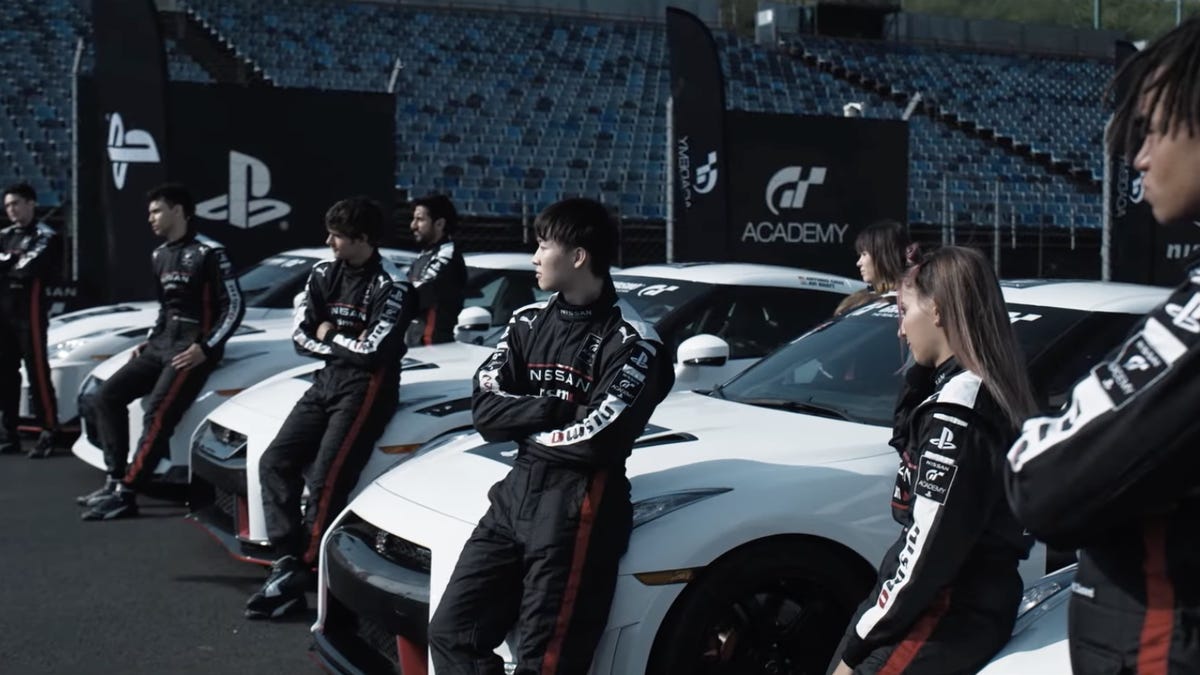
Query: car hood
point(253, 340)
point(427, 372)
point(687, 430)
point(101, 320)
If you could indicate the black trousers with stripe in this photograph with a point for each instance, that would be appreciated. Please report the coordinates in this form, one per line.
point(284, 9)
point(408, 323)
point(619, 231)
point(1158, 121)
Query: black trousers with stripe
point(324, 443)
point(166, 394)
point(23, 340)
point(1135, 609)
point(543, 560)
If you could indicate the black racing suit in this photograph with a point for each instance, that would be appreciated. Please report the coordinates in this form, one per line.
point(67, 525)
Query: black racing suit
point(29, 258)
point(200, 303)
point(574, 387)
point(1116, 473)
point(439, 277)
point(328, 437)
point(948, 589)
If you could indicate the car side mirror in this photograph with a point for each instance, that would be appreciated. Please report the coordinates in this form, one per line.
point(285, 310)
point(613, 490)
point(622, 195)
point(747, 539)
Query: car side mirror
point(473, 323)
point(703, 350)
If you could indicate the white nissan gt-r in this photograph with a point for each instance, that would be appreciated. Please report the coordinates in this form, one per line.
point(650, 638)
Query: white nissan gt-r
point(263, 349)
point(760, 508)
point(78, 342)
point(722, 317)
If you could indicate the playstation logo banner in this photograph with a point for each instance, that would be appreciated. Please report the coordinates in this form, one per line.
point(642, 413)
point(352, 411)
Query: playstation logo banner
point(265, 163)
point(130, 112)
point(246, 204)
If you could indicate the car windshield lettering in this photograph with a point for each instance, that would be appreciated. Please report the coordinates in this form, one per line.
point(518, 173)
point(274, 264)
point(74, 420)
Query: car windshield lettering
point(655, 298)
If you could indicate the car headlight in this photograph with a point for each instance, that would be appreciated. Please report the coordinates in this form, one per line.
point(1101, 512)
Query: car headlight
point(218, 442)
point(63, 349)
point(647, 510)
point(1049, 592)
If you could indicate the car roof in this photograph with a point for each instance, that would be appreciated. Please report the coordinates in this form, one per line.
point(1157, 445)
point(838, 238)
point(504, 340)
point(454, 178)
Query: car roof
point(323, 253)
point(1084, 295)
point(500, 261)
point(746, 274)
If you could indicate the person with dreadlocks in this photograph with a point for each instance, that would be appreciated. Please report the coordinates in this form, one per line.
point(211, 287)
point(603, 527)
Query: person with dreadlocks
point(1116, 473)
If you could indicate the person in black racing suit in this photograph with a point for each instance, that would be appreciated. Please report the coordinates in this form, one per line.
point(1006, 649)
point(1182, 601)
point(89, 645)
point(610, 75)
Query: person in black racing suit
point(200, 308)
point(1116, 473)
point(947, 592)
point(439, 275)
point(353, 315)
point(29, 257)
point(573, 381)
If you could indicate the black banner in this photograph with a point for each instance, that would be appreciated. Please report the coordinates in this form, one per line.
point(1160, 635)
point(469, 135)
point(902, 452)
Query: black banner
point(265, 163)
point(130, 77)
point(698, 156)
point(804, 186)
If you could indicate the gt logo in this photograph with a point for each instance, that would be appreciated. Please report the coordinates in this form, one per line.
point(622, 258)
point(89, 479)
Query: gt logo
point(656, 289)
point(945, 441)
point(1137, 362)
point(934, 474)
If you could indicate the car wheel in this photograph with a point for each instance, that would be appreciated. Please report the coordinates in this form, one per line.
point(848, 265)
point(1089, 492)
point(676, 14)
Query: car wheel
point(777, 607)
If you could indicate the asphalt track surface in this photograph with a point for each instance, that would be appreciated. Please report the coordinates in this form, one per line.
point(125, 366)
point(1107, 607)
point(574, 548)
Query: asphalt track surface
point(146, 595)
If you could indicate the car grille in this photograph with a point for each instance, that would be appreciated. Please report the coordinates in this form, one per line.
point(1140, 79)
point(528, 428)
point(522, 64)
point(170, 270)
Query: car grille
point(362, 641)
point(226, 503)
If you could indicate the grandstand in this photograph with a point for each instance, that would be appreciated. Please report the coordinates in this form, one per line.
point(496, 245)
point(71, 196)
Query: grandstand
point(509, 111)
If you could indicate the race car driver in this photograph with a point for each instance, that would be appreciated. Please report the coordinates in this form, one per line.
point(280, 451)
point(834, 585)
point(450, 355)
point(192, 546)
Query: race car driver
point(353, 315)
point(200, 308)
point(948, 589)
point(1116, 473)
point(30, 252)
point(439, 275)
point(573, 382)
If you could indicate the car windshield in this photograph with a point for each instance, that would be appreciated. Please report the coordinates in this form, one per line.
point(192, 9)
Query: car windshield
point(850, 368)
point(273, 282)
point(654, 298)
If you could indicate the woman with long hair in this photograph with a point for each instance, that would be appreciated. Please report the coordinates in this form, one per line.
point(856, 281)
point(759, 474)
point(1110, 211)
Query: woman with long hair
point(947, 592)
point(884, 252)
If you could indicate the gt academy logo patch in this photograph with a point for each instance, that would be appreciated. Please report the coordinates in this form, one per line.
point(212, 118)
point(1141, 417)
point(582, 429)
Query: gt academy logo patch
point(934, 478)
point(1135, 368)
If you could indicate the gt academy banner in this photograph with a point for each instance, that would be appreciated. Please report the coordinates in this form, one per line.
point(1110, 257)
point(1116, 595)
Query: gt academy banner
point(130, 106)
point(266, 163)
point(804, 186)
point(697, 155)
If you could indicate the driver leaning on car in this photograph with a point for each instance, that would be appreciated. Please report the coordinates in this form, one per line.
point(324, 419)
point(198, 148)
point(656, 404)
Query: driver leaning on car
point(573, 381)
